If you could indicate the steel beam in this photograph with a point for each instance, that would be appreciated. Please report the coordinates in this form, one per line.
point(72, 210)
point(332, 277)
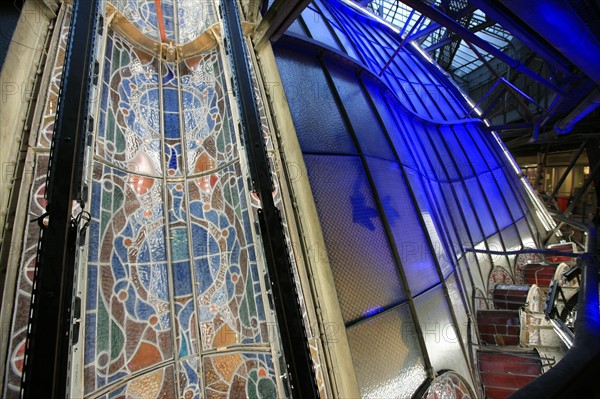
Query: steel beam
point(575, 200)
point(280, 16)
point(455, 37)
point(48, 340)
point(441, 18)
point(574, 159)
point(401, 45)
point(423, 33)
point(525, 35)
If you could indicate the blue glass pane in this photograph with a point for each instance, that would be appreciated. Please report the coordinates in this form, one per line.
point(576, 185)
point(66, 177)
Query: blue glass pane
point(411, 242)
point(411, 131)
point(494, 196)
point(365, 274)
point(507, 189)
point(484, 142)
point(443, 99)
point(318, 27)
point(462, 214)
point(371, 137)
point(297, 28)
point(396, 123)
point(477, 206)
point(442, 159)
point(317, 118)
point(340, 33)
point(426, 94)
point(465, 153)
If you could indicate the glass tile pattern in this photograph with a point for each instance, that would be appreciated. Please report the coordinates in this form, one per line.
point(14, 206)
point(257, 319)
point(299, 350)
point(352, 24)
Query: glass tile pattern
point(449, 385)
point(367, 281)
point(175, 273)
point(386, 355)
point(194, 17)
point(209, 140)
point(440, 332)
point(159, 384)
point(129, 131)
point(239, 375)
point(143, 15)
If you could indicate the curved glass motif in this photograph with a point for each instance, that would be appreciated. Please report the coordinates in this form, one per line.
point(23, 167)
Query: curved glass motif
point(171, 21)
point(403, 180)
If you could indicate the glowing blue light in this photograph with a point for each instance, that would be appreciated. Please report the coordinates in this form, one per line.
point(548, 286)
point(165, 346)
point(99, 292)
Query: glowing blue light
point(372, 311)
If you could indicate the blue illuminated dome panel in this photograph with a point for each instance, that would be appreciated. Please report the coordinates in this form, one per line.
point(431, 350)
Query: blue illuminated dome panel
point(403, 180)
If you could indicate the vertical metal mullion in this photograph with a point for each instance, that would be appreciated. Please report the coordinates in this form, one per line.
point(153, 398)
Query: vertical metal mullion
point(49, 326)
point(514, 221)
point(476, 178)
point(329, 27)
point(375, 55)
point(436, 211)
point(460, 97)
point(165, 207)
point(459, 206)
point(419, 214)
point(413, 85)
point(516, 191)
point(435, 203)
point(392, 113)
point(283, 286)
point(495, 149)
point(432, 74)
point(359, 48)
point(424, 86)
point(460, 211)
point(383, 216)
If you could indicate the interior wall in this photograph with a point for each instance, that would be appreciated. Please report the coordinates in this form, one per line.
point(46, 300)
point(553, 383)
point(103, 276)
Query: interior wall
point(30, 83)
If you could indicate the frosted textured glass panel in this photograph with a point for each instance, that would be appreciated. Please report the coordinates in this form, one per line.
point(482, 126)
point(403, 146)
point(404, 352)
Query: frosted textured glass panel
point(381, 101)
point(440, 332)
point(455, 294)
point(525, 233)
point(386, 355)
point(508, 190)
point(318, 27)
point(462, 146)
point(370, 135)
point(443, 159)
point(316, 116)
point(461, 150)
point(485, 142)
point(365, 275)
point(496, 200)
point(511, 238)
point(476, 206)
point(460, 213)
point(411, 241)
